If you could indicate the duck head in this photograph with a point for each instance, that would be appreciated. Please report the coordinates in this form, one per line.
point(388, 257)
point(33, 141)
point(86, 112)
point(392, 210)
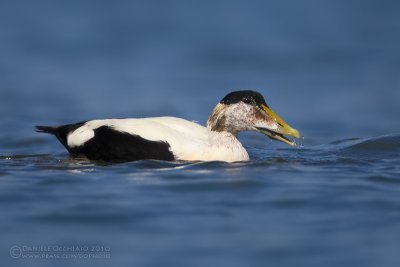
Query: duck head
point(247, 111)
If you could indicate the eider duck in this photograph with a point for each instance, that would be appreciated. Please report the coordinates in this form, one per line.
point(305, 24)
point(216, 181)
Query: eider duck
point(170, 138)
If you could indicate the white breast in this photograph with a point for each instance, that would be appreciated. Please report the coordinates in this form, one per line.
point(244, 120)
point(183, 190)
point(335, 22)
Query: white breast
point(187, 140)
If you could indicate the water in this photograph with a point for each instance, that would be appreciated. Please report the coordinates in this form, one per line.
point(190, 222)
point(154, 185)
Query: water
point(330, 69)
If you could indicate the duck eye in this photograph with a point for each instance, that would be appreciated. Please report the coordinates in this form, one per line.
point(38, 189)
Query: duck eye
point(248, 100)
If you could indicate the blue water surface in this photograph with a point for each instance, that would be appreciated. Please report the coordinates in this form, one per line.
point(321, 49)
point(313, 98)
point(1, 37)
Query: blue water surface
point(329, 68)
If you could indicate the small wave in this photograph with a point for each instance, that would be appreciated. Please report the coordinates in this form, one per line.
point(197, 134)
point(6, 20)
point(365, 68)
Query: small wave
point(388, 143)
point(17, 157)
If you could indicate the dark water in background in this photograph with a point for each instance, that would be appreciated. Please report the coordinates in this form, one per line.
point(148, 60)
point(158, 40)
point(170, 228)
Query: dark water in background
point(329, 68)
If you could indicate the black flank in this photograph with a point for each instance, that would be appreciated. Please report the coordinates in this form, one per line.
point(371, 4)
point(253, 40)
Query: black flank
point(114, 146)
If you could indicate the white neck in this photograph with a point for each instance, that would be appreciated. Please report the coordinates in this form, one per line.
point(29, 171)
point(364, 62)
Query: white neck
point(224, 146)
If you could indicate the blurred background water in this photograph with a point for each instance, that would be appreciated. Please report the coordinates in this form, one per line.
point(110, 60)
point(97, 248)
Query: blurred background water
point(329, 68)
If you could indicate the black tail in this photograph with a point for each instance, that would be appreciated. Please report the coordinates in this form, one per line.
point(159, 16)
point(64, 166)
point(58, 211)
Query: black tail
point(61, 132)
point(46, 129)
